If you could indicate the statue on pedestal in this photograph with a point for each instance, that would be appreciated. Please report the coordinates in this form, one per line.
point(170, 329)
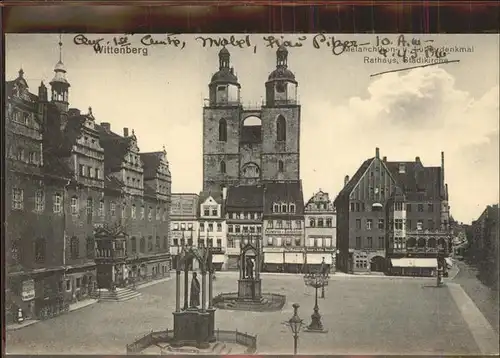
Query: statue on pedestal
point(194, 297)
point(249, 268)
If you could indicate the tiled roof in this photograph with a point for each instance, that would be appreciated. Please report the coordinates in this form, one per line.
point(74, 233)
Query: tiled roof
point(347, 189)
point(245, 196)
point(417, 181)
point(150, 162)
point(115, 147)
point(216, 195)
point(284, 192)
point(149, 190)
point(111, 183)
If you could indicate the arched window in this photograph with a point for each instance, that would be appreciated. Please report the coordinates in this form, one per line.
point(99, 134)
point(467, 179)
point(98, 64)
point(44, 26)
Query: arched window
point(223, 167)
point(281, 166)
point(281, 129)
point(222, 130)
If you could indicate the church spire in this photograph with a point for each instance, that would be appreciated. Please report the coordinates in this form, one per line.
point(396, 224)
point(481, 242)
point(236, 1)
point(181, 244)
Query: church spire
point(59, 83)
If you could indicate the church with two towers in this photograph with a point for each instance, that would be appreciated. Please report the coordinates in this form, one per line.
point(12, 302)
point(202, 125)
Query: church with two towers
point(251, 160)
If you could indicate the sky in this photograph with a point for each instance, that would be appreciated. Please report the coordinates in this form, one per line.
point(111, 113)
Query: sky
point(346, 113)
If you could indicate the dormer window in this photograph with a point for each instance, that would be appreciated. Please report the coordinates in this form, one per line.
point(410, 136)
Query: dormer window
point(276, 208)
point(283, 208)
point(292, 208)
point(402, 168)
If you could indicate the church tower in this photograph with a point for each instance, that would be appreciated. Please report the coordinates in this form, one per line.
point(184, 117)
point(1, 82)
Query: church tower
point(221, 127)
point(281, 124)
point(59, 84)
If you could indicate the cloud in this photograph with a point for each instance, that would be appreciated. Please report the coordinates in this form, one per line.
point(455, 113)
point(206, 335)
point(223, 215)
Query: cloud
point(418, 113)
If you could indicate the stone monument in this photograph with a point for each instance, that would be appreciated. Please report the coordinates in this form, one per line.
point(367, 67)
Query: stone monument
point(194, 325)
point(249, 283)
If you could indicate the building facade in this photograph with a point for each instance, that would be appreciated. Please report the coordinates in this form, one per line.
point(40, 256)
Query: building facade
point(33, 203)
point(483, 247)
point(374, 230)
point(320, 230)
point(212, 227)
point(244, 207)
point(247, 146)
point(62, 185)
point(283, 241)
point(184, 226)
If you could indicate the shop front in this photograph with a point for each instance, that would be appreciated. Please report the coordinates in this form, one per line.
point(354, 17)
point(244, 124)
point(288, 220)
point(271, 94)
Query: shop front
point(314, 260)
point(273, 261)
point(294, 261)
point(407, 266)
point(20, 299)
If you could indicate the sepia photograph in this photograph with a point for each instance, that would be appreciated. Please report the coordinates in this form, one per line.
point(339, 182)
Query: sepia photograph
point(174, 194)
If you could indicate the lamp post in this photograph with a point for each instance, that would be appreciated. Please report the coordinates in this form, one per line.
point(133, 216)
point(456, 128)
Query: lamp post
point(316, 280)
point(295, 324)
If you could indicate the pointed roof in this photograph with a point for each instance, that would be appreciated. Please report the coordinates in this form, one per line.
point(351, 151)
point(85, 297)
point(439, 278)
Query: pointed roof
point(289, 192)
point(348, 188)
point(245, 197)
point(115, 147)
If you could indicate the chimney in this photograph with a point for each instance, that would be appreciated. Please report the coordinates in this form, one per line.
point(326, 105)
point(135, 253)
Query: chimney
point(346, 180)
point(417, 159)
point(232, 70)
point(384, 159)
point(42, 92)
point(106, 126)
point(377, 153)
point(73, 112)
point(125, 132)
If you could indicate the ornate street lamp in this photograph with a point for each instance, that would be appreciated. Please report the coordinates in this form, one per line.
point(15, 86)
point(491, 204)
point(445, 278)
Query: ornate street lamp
point(316, 280)
point(295, 324)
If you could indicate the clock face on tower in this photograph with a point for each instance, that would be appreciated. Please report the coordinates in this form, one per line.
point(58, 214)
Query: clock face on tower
point(280, 87)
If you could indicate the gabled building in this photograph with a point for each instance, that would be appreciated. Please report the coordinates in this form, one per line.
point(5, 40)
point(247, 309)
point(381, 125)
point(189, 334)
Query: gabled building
point(184, 228)
point(283, 242)
point(320, 229)
point(138, 201)
point(243, 212)
point(374, 228)
point(212, 226)
point(33, 203)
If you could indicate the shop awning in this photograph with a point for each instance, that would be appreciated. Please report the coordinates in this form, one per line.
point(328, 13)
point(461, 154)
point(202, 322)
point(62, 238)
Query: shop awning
point(273, 257)
point(414, 262)
point(317, 258)
point(218, 258)
point(294, 257)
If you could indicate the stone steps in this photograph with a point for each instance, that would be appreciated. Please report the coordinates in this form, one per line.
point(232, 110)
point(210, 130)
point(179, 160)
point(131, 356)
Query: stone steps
point(121, 295)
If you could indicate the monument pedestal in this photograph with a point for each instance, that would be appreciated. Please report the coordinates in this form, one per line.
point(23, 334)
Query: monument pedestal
point(193, 327)
point(249, 289)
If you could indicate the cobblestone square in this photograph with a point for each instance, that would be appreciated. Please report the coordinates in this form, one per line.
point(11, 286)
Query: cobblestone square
point(362, 315)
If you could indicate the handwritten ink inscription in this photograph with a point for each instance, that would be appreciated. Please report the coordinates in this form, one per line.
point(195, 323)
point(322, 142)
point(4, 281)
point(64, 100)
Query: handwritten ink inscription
point(170, 40)
point(272, 41)
point(338, 46)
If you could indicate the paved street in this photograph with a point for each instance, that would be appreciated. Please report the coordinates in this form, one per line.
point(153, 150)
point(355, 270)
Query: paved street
point(363, 316)
point(486, 299)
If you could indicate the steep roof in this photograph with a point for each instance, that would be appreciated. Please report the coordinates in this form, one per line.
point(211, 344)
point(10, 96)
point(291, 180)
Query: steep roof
point(290, 192)
point(347, 189)
point(418, 182)
point(150, 162)
point(115, 147)
point(111, 183)
point(245, 196)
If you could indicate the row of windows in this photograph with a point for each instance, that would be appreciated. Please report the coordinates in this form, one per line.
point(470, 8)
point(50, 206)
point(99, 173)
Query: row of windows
point(320, 222)
point(89, 172)
point(280, 129)
point(320, 242)
point(319, 206)
point(201, 242)
point(207, 211)
point(244, 215)
point(210, 227)
point(18, 204)
point(284, 224)
point(150, 246)
point(40, 250)
point(183, 226)
point(278, 241)
point(399, 224)
point(222, 167)
point(20, 155)
point(283, 208)
point(21, 117)
point(369, 224)
point(244, 228)
point(431, 242)
point(369, 243)
point(398, 206)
